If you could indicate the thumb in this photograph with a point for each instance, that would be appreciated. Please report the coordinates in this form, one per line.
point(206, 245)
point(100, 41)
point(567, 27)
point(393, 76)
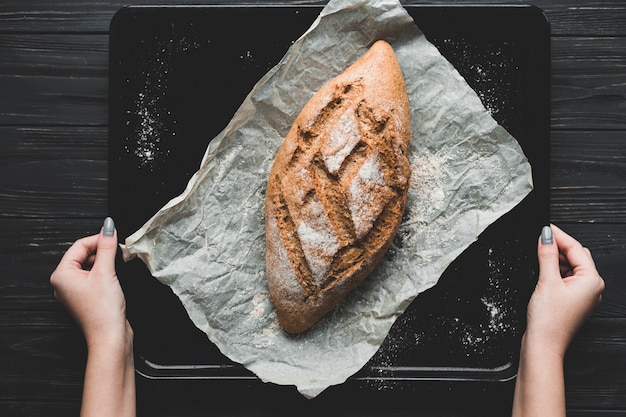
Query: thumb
point(548, 255)
point(106, 248)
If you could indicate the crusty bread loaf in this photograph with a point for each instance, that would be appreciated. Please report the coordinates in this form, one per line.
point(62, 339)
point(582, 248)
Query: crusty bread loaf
point(337, 190)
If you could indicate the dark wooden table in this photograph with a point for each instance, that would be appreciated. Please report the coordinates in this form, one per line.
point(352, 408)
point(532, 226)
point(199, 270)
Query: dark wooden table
point(53, 189)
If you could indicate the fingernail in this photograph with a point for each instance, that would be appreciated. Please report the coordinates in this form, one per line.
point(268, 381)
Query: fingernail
point(108, 229)
point(546, 236)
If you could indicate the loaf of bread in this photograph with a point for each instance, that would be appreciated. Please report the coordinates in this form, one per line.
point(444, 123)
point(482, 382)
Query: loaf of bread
point(337, 189)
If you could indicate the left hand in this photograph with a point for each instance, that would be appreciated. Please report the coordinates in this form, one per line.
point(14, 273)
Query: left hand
point(85, 281)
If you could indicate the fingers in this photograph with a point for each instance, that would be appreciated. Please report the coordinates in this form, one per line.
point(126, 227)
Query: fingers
point(80, 252)
point(106, 248)
point(548, 255)
point(87, 252)
point(575, 254)
point(72, 263)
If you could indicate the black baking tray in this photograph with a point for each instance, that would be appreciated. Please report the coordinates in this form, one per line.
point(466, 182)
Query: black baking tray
point(177, 76)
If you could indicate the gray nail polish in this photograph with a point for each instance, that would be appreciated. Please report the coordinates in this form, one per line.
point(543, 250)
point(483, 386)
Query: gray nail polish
point(108, 229)
point(546, 236)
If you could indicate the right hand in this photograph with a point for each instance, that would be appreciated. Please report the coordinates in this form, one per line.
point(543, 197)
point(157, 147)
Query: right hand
point(568, 289)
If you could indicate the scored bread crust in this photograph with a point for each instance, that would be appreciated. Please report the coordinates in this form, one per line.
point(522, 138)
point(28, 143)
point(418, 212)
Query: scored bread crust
point(337, 189)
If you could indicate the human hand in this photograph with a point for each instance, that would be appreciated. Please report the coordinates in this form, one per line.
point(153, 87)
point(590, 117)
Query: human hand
point(568, 289)
point(85, 281)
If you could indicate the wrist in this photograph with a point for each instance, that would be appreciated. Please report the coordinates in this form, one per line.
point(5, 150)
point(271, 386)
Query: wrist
point(536, 346)
point(112, 343)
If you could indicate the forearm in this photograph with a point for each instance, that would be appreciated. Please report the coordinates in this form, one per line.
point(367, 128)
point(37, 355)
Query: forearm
point(540, 387)
point(109, 387)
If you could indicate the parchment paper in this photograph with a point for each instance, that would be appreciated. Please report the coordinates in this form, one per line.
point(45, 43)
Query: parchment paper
point(208, 244)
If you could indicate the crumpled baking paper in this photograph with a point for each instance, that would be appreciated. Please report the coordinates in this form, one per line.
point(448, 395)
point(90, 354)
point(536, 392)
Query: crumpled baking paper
point(208, 244)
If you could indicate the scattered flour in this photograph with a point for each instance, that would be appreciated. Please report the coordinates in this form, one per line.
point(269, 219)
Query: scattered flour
point(427, 182)
point(149, 134)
